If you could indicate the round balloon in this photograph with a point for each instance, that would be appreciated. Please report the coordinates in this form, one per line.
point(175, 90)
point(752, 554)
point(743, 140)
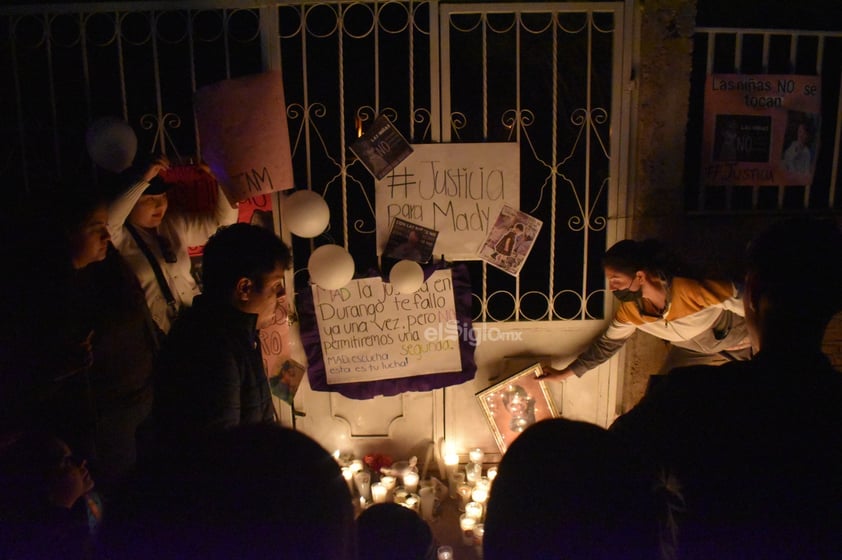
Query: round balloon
point(111, 143)
point(306, 213)
point(331, 267)
point(406, 276)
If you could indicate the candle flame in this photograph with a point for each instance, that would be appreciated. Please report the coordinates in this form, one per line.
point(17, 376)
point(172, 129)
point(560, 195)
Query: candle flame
point(359, 124)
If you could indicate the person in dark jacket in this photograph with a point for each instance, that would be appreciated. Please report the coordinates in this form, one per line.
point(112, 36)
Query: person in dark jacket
point(757, 445)
point(210, 374)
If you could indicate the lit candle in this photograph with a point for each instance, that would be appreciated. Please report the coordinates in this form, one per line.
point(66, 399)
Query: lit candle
point(378, 493)
point(444, 552)
point(363, 481)
point(483, 483)
point(411, 502)
point(479, 495)
point(479, 533)
point(474, 509)
point(467, 525)
point(348, 475)
point(388, 482)
point(476, 455)
point(464, 492)
point(410, 481)
point(473, 472)
point(492, 473)
point(356, 465)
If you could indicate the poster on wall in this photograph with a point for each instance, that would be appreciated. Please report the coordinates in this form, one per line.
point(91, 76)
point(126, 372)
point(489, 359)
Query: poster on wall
point(760, 129)
point(243, 128)
point(366, 340)
point(510, 240)
point(455, 189)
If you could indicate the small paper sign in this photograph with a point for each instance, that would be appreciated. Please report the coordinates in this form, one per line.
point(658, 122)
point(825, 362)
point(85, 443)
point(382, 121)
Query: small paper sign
point(410, 241)
point(381, 148)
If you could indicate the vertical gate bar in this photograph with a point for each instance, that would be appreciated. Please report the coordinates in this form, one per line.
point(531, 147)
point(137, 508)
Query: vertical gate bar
point(766, 43)
point(121, 63)
point(341, 62)
point(411, 64)
point(86, 71)
point(793, 51)
point(587, 194)
point(484, 63)
point(156, 69)
point(376, 58)
point(438, 34)
point(13, 23)
point(51, 87)
point(554, 163)
point(305, 89)
point(834, 168)
point(738, 52)
point(192, 54)
point(225, 43)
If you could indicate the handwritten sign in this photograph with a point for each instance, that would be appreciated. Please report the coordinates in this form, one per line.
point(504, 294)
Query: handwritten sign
point(245, 140)
point(760, 129)
point(370, 332)
point(455, 189)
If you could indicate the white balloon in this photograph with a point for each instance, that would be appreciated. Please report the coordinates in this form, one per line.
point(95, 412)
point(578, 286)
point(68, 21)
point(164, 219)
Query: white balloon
point(306, 213)
point(112, 144)
point(406, 276)
point(331, 267)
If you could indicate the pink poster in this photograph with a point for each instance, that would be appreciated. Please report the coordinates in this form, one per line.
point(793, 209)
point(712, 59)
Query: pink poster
point(760, 129)
point(244, 135)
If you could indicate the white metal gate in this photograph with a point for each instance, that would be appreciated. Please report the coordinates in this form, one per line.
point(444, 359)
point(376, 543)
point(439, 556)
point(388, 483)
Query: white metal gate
point(551, 76)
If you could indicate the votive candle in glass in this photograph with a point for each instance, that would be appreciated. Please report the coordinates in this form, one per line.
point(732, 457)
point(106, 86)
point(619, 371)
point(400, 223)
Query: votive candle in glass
point(476, 455)
point(464, 491)
point(467, 524)
point(480, 495)
point(444, 552)
point(363, 482)
point(492, 473)
point(474, 509)
point(388, 482)
point(378, 493)
point(473, 472)
point(356, 465)
point(410, 481)
point(348, 475)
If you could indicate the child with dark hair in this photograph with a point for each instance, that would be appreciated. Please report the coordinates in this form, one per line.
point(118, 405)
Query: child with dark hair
point(210, 372)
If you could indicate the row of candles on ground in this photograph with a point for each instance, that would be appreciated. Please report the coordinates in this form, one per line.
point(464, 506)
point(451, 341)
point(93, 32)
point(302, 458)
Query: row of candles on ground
point(472, 489)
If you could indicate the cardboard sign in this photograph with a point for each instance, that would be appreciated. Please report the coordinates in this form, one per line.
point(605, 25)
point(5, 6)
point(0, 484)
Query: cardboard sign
point(760, 129)
point(455, 189)
point(370, 332)
point(243, 130)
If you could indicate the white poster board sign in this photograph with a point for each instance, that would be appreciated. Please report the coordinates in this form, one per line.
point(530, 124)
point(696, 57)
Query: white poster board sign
point(455, 189)
point(370, 332)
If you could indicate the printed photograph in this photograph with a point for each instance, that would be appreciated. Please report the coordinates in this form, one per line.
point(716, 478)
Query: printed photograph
point(410, 241)
point(381, 148)
point(510, 240)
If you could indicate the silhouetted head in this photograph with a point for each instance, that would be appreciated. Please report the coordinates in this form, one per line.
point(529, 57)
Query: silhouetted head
point(252, 492)
point(571, 490)
point(793, 273)
point(392, 532)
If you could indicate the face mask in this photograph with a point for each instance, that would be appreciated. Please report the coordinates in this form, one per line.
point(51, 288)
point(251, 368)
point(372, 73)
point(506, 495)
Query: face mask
point(625, 295)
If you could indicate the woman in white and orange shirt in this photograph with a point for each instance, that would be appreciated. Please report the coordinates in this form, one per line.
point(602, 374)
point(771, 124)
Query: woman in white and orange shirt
point(703, 320)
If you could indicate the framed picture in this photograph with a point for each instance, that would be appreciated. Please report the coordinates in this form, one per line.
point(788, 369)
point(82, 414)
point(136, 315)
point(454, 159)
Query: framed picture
point(516, 403)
